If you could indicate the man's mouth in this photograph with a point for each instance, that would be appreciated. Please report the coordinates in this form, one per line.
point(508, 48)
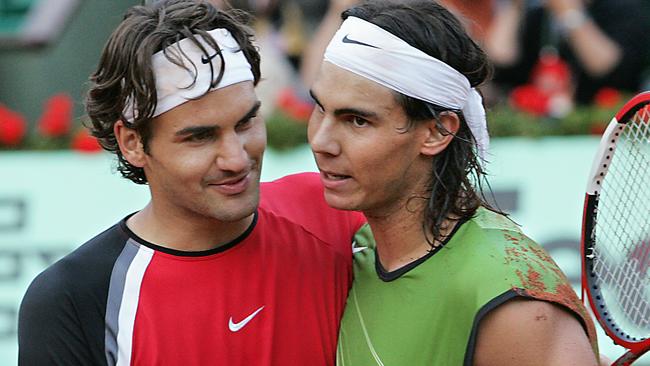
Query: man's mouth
point(234, 185)
point(334, 176)
point(334, 181)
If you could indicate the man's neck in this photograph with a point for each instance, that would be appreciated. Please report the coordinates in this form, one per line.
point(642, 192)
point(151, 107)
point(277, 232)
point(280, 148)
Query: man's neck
point(400, 237)
point(190, 233)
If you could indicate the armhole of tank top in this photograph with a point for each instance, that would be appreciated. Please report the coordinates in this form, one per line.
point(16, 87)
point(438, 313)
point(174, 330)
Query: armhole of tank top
point(491, 305)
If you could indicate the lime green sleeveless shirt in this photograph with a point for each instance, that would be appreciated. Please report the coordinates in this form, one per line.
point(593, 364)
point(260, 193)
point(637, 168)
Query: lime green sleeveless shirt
point(429, 313)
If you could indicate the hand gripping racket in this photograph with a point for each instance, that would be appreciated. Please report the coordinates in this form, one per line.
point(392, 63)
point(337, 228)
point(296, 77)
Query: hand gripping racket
point(616, 230)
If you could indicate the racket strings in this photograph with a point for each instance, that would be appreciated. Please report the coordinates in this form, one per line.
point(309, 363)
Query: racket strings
point(622, 229)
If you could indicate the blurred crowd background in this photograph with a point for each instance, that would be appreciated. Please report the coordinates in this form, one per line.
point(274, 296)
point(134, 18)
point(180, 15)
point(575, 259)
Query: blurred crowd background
point(561, 66)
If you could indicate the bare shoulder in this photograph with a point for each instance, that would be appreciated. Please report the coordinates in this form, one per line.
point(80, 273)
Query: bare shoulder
point(532, 332)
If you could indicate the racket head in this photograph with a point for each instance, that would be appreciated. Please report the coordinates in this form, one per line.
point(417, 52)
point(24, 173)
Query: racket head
point(615, 243)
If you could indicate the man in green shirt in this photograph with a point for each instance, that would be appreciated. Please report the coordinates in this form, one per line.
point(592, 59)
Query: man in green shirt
point(399, 132)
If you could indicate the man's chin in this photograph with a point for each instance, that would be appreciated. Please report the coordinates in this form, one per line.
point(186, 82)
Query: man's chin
point(339, 203)
point(235, 216)
point(236, 209)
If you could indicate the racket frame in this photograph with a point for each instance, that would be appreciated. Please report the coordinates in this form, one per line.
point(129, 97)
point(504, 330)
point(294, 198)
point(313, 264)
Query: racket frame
point(600, 166)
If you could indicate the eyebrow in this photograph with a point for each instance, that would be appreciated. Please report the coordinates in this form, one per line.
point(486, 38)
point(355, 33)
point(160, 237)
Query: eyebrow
point(344, 111)
point(251, 113)
point(197, 130)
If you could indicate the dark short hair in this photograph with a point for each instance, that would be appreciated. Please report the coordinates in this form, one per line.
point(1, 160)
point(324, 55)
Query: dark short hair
point(125, 69)
point(456, 175)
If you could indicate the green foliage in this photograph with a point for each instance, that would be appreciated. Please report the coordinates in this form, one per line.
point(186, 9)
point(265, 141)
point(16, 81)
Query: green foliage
point(504, 121)
point(284, 132)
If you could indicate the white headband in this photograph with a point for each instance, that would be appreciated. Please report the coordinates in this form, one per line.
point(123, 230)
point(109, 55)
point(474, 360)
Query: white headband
point(175, 85)
point(370, 51)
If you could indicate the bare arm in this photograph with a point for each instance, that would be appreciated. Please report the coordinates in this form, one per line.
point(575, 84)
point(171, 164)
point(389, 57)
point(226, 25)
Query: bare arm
point(598, 53)
point(530, 332)
point(501, 42)
point(313, 54)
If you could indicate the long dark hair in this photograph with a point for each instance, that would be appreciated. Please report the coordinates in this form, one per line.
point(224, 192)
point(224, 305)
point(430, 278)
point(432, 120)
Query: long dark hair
point(455, 185)
point(125, 69)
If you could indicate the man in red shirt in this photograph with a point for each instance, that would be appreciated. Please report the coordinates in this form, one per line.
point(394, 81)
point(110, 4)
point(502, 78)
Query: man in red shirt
point(210, 272)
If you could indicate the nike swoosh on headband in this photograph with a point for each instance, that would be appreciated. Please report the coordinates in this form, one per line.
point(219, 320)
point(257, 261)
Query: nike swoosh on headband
point(348, 40)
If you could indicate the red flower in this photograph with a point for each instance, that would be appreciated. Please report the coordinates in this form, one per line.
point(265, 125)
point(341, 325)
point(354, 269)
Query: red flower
point(57, 117)
point(85, 142)
point(292, 105)
point(531, 99)
point(598, 128)
point(551, 74)
point(12, 127)
point(645, 111)
point(607, 97)
point(301, 111)
point(286, 97)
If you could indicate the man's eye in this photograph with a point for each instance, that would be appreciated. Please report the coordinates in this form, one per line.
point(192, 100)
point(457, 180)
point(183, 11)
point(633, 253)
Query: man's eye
point(202, 136)
point(246, 123)
point(358, 121)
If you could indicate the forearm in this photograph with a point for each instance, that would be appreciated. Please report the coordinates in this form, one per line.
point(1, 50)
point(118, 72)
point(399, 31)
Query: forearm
point(313, 54)
point(597, 52)
point(501, 43)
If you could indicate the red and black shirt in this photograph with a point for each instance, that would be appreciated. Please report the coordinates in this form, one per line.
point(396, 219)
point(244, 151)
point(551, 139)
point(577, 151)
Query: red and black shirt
point(273, 296)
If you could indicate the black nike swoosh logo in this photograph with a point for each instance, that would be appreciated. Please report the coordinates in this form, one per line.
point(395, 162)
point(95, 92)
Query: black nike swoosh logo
point(348, 40)
point(206, 60)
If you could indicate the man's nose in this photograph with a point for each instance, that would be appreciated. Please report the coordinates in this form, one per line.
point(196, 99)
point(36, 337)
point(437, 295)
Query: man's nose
point(232, 155)
point(322, 137)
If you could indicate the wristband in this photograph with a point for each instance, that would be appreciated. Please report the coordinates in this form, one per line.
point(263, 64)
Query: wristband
point(572, 19)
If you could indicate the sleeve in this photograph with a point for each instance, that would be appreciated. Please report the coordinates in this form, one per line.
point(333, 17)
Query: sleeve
point(49, 332)
point(300, 197)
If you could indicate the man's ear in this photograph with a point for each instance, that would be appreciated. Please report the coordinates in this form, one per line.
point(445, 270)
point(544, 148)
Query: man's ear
point(438, 139)
point(130, 144)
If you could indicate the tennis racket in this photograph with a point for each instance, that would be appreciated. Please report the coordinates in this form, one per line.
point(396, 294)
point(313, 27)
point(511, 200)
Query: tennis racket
point(616, 230)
